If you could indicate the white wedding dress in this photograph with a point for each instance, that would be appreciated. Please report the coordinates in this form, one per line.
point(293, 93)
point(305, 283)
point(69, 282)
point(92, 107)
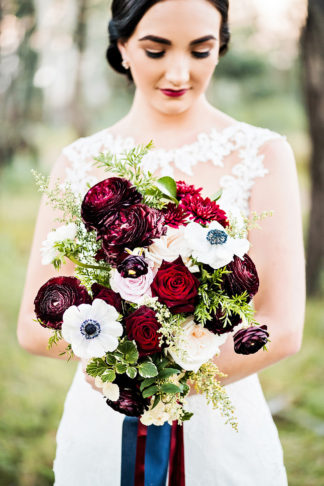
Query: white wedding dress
point(89, 434)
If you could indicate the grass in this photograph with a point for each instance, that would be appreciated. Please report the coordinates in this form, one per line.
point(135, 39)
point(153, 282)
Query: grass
point(33, 388)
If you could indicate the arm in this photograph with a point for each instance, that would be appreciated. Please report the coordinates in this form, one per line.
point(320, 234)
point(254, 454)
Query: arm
point(278, 253)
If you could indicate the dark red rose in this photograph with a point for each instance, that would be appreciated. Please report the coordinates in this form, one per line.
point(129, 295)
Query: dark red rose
point(183, 189)
point(143, 327)
point(250, 340)
point(132, 227)
point(57, 295)
point(133, 266)
point(203, 210)
point(175, 286)
point(243, 277)
point(174, 216)
point(108, 295)
point(130, 402)
point(107, 196)
point(218, 324)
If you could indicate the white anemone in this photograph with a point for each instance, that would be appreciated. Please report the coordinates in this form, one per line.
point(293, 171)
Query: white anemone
point(91, 329)
point(212, 245)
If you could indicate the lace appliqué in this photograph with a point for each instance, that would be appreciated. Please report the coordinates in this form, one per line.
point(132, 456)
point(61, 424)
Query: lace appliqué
point(214, 146)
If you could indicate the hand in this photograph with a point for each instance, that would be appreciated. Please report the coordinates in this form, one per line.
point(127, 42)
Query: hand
point(89, 379)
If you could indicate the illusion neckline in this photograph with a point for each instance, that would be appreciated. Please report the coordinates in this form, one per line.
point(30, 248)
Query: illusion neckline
point(212, 132)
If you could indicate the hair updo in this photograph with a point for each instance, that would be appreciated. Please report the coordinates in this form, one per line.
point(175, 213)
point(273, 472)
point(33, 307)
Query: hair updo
point(126, 14)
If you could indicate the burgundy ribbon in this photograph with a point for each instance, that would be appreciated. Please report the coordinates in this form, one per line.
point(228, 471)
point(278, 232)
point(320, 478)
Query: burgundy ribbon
point(176, 459)
point(140, 455)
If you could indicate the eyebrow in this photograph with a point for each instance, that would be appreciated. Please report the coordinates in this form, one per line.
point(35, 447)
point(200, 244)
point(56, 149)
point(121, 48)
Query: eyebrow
point(161, 40)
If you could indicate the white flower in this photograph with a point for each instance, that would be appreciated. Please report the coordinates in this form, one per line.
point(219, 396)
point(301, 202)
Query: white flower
point(213, 246)
point(92, 329)
point(132, 289)
point(48, 250)
point(156, 416)
point(110, 390)
point(196, 346)
point(168, 247)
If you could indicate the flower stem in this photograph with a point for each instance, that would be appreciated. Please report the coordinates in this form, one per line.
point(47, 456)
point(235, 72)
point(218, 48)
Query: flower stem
point(86, 265)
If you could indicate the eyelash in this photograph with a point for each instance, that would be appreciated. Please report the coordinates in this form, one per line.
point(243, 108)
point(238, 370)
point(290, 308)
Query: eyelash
point(155, 55)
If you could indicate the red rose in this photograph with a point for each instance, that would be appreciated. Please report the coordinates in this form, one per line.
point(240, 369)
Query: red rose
point(203, 210)
point(143, 327)
point(57, 295)
point(132, 227)
point(108, 295)
point(243, 276)
point(175, 286)
point(106, 196)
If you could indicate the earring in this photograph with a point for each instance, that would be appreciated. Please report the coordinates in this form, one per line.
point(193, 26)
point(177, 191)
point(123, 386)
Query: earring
point(125, 64)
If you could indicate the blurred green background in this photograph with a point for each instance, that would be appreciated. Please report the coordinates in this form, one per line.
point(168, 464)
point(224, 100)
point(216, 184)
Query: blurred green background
point(54, 87)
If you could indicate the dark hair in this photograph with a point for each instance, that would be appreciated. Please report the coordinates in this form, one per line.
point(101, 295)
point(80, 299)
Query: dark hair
point(126, 14)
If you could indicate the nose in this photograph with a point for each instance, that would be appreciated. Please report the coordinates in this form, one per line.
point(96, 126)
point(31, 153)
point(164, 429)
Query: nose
point(178, 71)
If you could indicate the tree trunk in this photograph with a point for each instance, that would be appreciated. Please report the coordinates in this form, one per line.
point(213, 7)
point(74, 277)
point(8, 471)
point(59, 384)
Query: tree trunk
point(312, 47)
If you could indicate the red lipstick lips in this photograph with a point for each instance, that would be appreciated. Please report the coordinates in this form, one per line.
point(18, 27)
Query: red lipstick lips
point(174, 93)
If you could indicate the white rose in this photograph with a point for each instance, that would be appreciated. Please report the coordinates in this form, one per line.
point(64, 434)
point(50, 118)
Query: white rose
point(197, 345)
point(156, 416)
point(212, 245)
point(168, 247)
point(48, 250)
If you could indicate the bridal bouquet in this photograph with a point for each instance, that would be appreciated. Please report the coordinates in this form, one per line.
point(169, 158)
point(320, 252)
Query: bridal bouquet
point(162, 278)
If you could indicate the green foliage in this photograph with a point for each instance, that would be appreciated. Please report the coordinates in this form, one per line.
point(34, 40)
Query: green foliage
point(147, 369)
point(55, 338)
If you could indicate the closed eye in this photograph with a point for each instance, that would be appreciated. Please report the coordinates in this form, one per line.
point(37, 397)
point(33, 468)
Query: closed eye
point(157, 54)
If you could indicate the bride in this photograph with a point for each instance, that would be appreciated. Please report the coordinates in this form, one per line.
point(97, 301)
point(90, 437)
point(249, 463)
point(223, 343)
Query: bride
point(170, 49)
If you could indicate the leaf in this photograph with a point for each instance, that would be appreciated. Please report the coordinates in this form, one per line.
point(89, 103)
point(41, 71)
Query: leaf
point(217, 195)
point(147, 369)
point(96, 368)
point(186, 415)
point(170, 388)
point(157, 399)
point(148, 392)
point(147, 382)
point(110, 359)
point(109, 375)
point(163, 363)
point(131, 372)
point(168, 186)
point(129, 350)
point(121, 368)
point(168, 372)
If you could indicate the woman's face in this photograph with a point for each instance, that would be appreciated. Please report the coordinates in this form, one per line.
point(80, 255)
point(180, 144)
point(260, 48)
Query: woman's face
point(174, 47)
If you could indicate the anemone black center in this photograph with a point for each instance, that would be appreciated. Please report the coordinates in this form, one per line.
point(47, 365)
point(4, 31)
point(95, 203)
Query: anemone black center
point(90, 329)
point(216, 237)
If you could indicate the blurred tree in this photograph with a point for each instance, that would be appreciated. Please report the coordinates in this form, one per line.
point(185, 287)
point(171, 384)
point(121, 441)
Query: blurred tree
point(312, 42)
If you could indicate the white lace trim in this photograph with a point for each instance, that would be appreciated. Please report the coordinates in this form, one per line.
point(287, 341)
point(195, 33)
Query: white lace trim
point(214, 146)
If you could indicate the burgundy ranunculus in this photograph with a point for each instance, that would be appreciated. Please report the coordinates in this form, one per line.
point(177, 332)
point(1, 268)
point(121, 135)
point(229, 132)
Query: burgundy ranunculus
point(143, 327)
point(108, 295)
point(57, 295)
point(243, 277)
point(132, 227)
point(216, 324)
point(130, 401)
point(107, 196)
point(174, 216)
point(203, 210)
point(111, 254)
point(184, 189)
point(133, 266)
point(250, 340)
point(175, 286)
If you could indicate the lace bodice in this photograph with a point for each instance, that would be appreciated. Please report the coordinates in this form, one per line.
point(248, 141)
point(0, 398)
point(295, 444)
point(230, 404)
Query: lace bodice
point(242, 138)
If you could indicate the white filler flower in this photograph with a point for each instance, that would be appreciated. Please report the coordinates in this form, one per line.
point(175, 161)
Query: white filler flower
point(92, 330)
point(109, 390)
point(213, 246)
point(48, 250)
point(197, 345)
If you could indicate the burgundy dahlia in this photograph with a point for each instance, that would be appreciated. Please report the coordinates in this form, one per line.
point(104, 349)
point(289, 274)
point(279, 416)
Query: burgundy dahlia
point(175, 286)
point(143, 326)
point(133, 266)
point(243, 276)
point(183, 189)
point(219, 325)
point(57, 295)
point(174, 216)
point(130, 401)
point(203, 210)
point(132, 227)
point(250, 340)
point(105, 197)
point(108, 295)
